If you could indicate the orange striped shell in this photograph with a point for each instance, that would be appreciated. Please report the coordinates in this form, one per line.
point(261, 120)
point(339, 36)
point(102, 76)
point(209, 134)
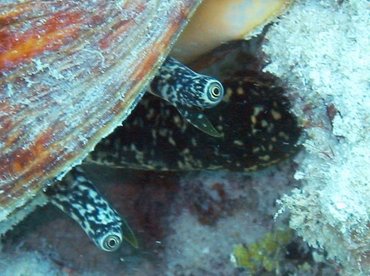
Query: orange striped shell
point(70, 72)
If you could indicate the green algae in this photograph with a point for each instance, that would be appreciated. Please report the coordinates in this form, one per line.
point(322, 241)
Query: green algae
point(264, 254)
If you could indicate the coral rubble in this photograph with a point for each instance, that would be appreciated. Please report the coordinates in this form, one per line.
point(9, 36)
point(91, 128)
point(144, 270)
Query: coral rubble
point(239, 209)
point(320, 48)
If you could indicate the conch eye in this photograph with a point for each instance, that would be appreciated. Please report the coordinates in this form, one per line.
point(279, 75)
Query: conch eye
point(111, 243)
point(215, 92)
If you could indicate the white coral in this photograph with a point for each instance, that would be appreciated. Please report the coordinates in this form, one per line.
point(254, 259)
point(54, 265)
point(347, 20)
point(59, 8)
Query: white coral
point(321, 48)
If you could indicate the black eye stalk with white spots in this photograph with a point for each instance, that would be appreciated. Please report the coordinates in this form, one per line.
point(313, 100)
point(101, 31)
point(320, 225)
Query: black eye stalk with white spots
point(78, 197)
point(189, 92)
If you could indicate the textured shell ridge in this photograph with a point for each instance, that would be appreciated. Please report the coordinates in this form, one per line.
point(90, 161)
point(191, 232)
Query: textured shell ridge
point(69, 74)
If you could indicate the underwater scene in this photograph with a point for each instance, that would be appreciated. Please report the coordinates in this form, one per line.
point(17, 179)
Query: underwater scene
point(184, 137)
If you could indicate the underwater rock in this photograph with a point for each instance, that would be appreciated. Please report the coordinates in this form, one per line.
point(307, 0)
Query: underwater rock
point(247, 207)
point(320, 49)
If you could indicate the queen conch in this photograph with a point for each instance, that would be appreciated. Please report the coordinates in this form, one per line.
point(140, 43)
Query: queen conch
point(71, 72)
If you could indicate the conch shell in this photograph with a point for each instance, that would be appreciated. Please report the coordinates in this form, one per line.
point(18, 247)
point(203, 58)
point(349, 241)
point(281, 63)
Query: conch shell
point(219, 21)
point(70, 72)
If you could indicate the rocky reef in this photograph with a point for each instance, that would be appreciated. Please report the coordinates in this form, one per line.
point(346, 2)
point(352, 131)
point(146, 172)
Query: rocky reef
point(321, 49)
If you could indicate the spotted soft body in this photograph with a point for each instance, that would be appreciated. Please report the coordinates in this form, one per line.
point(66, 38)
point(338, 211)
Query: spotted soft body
point(254, 116)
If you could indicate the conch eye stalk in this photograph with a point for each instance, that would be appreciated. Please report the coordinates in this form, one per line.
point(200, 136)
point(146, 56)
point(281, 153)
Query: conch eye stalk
point(78, 198)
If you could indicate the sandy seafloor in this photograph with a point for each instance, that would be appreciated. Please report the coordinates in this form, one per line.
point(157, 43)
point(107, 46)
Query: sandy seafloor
point(186, 224)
